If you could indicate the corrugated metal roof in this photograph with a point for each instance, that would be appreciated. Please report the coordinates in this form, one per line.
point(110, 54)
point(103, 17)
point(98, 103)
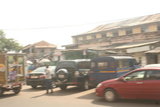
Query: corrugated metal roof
point(41, 44)
point(127, 23)
point(130, 45)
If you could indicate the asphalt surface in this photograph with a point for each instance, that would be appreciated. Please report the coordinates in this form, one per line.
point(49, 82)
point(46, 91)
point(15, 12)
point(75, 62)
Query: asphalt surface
point(72, 97)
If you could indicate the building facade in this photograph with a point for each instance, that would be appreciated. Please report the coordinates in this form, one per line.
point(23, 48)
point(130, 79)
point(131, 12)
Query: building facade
point(135, 37)
point(39, 50)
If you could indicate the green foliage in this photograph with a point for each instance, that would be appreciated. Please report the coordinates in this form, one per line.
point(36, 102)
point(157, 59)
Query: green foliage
point(8, 44)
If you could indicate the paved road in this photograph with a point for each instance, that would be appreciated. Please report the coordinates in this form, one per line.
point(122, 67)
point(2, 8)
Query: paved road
point(72, 97)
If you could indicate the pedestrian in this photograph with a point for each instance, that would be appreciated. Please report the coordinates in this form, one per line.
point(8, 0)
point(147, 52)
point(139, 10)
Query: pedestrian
point(48, 80)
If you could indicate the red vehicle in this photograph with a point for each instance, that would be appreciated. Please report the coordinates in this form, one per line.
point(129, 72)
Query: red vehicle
point(142, 83)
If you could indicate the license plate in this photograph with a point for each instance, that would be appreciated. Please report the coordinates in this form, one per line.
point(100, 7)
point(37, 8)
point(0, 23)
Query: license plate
point(61, 76)
point(34, 76)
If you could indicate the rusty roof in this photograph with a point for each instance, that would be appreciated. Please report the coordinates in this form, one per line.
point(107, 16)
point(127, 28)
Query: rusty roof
point(127, 23)
point(44, 44)
point(41, 44)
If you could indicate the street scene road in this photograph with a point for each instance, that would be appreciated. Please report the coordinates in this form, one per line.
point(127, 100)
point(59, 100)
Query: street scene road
point(72, 97)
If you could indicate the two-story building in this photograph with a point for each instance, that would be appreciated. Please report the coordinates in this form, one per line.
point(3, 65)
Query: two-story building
point(39, 50)
point(139, 37)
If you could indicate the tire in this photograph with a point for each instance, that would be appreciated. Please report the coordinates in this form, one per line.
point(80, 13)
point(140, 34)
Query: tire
point(63, 87)
point(1, 91)
point(16, 90)
point(34, 86)
point(64, 73)
point(110, 95)
point(85, 85)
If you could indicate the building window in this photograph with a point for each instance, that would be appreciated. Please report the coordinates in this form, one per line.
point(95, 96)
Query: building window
point(152, 28)
point(80, 38)
point(89, 37)
point(115, 34)
point(98, 36)
point(109, 34)
point(128, 31)
point(136, 30)
point(158, 27)
point(121, 32)
point(144, 28)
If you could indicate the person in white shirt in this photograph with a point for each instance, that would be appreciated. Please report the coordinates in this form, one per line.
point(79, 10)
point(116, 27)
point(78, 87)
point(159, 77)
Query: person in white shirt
point(48, 80)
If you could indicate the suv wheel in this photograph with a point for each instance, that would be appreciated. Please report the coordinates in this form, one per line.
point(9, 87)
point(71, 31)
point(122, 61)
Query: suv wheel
point(62, 75)
point(63, 87)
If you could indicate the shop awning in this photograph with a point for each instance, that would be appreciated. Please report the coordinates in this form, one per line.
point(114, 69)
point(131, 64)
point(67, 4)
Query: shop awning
point(156, 50)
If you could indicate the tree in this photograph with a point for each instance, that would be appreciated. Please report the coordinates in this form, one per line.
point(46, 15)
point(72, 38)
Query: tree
point(8, 44)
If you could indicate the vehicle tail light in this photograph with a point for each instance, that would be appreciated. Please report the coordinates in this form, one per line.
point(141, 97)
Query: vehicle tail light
point(42, 76)
point(28, 76)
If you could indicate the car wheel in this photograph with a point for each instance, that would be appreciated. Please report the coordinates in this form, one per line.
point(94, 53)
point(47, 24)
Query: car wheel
point(17, 90)
point(63, 87)
point(110, 95)
point(1, 91)
point(34, 86)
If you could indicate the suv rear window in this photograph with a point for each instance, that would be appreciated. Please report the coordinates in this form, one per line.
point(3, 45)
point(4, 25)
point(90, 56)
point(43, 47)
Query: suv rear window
point(66, 64)
point(83, 65)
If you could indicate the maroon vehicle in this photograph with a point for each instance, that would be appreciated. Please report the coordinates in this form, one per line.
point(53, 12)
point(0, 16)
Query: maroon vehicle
point(142, 83)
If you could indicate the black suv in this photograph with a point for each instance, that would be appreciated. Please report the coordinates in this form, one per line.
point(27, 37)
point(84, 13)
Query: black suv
point(73, 72)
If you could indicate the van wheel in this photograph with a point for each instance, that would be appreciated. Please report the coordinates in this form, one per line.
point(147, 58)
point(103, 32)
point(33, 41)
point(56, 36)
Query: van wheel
point(110, 95)
point(1, 91)
point(63, 87)
point(85, 85)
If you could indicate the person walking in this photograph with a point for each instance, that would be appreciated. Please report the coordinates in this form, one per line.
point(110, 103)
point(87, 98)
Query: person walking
point(48, 80)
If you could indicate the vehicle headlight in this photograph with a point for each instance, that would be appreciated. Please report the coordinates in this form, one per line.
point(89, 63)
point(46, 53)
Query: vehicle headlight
point(76, 73)
point(100, 84)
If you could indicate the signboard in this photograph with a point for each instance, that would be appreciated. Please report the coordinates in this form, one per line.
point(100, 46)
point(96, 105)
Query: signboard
point(138, 49)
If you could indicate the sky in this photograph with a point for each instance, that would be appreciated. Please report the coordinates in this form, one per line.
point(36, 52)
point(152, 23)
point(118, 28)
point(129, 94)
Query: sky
point(56, 21)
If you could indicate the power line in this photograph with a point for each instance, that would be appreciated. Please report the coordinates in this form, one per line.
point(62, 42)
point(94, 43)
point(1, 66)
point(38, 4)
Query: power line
point(57, 27)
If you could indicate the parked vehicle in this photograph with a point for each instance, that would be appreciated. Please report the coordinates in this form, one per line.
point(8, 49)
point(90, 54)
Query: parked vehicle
point(37, 76)
point(109, 67)
point(143, 83)
point(73, 72)
point(12, 72)
point(152, 65)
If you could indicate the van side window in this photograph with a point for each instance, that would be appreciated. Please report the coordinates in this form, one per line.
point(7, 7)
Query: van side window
point(102, 65)
point(93, 64)
point(123, 63)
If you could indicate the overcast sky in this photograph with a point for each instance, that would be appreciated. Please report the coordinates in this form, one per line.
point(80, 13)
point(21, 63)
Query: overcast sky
point(55, 21)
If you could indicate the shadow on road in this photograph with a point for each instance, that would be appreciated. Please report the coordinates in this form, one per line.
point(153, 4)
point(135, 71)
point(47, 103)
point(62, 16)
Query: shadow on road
point(121, 103)
point(68, 91)
point(126, 103)
point(32, 89)
point(88, 96)
point(8, 95)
